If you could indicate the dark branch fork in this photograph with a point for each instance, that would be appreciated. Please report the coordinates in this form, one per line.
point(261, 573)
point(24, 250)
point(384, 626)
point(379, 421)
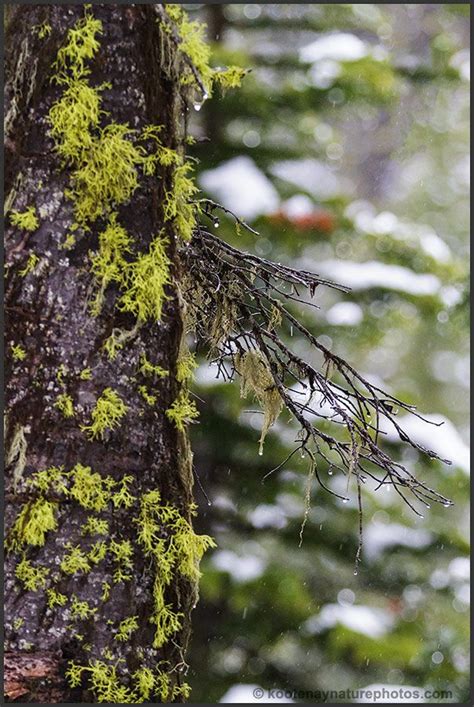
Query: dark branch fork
point(253, 291)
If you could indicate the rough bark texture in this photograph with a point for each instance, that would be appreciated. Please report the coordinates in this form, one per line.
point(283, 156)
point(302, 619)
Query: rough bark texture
point(48, 316)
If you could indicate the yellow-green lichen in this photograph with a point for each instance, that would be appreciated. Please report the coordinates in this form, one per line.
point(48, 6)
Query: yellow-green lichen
point(117, 339)
point(106, 415)
point(178, 207)
point(43, 30)
point(34, 521)
point(64, 404)
point(149, 369)
point(182, 411)
point(89, 489)
point(180, 551)
point(122, 496)
point(33, 578)
point(145, 281)
point(185, 367)
point(55, 598)
point(26, 220)
point(106, 587)
point(18, 623)
point(98, 552)
point(95, 526)
point(75, 560)
point(126, 628)
point(31, 264)
point(149, 398)
point(18, 352)
point(85, 374)
point(109, 263)
point(81, 609)
point(122, 552)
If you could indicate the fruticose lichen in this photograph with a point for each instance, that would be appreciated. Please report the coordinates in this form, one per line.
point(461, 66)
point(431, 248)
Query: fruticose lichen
point(26, 220)
point(106, 415)
point(256, 378)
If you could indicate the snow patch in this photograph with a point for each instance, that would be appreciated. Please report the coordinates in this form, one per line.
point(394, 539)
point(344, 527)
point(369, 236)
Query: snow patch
point(363, 276)
point(378, 537)
point(339, 46)
point(444, 440)
point(242, 569)
point(241, 187)
point(345, 314)
point(372, 622)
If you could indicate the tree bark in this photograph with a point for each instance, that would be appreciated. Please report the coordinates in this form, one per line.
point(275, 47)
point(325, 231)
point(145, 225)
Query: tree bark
point(48, 317)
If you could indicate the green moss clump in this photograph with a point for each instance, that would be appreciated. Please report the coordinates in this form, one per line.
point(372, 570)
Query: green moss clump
point(26, 220)
point(182, 411)
point(106, 415)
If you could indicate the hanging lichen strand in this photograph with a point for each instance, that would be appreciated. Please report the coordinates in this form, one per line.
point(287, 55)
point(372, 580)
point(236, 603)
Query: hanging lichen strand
point(106, 163)
point(240, 308)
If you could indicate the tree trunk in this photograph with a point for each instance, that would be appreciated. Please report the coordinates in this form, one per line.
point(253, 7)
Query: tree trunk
point(49, 320)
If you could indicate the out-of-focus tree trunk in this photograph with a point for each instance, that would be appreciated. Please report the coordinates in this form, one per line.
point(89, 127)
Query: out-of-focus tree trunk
point(48, 317)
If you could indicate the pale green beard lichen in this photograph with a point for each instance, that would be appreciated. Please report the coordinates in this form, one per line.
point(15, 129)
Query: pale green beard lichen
point(26, 220)
point(257, 379)
point(106, 415)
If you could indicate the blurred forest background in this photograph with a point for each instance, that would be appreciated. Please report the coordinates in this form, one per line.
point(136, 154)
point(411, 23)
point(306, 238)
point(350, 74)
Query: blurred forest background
point(347, 149)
